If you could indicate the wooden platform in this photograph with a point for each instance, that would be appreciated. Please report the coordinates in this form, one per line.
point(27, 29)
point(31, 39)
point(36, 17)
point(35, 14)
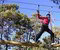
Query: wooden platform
point(56, 45)
point(18, 43)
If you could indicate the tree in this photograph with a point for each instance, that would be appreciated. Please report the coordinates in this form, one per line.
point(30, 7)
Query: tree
point(56, 31)
point(11, 19)
point(35, 22)
point(47, 43)
point(6, 21)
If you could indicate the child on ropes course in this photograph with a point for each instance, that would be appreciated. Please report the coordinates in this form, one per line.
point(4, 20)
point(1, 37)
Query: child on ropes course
point(45, 22)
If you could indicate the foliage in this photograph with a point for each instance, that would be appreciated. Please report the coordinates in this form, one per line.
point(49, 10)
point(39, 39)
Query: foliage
point(47, 43)
point(8, 7)
point(11, 20)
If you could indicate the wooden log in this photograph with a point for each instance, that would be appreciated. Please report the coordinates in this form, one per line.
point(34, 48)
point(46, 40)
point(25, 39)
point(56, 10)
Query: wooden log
point(19, 43)
point(56, 45)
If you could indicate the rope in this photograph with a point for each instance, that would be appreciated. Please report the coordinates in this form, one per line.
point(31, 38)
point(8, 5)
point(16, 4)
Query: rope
point(34, 4)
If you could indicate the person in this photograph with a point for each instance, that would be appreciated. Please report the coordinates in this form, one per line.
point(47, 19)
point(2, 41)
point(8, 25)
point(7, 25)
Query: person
point(45, 22)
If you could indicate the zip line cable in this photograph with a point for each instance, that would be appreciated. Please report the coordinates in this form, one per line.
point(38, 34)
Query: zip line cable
point(40, 10)
point(37, 4)
point(33, 4)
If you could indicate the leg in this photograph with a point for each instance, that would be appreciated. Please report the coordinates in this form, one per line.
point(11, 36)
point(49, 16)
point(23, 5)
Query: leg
point(51, 33)
point(40, 33)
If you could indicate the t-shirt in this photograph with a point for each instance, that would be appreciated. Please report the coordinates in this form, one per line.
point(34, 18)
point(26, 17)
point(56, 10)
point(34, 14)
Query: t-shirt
point(44, 20)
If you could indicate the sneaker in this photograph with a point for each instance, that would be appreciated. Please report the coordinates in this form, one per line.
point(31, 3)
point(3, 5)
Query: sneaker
point(53, 43)
point(32, 41)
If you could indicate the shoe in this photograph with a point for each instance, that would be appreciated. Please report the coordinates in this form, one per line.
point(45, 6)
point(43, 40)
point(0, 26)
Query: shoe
point(32, 41)
point(53, 43)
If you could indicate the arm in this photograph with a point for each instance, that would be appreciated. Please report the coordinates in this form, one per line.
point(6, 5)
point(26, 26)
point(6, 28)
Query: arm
point(40, 17)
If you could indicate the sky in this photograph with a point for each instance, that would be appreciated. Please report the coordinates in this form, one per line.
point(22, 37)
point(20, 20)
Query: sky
point(54, 15)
